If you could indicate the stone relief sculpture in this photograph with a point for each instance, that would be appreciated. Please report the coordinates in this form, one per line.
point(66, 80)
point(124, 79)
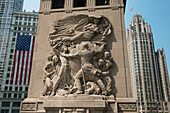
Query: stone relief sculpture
point(79, 63)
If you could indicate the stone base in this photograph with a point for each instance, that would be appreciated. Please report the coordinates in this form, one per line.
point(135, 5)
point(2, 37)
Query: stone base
point(78, 104)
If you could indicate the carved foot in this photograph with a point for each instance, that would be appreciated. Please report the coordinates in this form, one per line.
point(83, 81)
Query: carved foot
point(52, 94)
point(79, 92)
point(104, 93)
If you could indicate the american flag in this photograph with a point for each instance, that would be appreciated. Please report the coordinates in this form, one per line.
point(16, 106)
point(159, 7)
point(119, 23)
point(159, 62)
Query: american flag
point(23, 60)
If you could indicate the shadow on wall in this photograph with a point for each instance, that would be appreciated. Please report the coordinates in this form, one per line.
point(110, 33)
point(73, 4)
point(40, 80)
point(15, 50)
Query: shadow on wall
point(115, 69)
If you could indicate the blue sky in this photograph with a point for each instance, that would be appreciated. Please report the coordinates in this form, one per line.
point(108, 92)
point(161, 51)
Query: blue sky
point(155, 12)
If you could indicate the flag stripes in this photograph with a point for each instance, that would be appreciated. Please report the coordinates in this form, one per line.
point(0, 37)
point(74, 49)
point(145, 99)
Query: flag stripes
point(23, 57)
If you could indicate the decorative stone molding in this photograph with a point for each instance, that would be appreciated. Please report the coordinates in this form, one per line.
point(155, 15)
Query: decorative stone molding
point(74, 110)
point(115, 8)
point(46, 13)
point(127, 107)
point(28, 107)
point(68, 11)
point(91, 10)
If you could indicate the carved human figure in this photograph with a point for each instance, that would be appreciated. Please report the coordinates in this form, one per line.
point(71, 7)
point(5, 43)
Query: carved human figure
point(108, 59)
point(108, 65)
point(105, 74)
point(87, 70)
point(50, 71)
point(64, 69)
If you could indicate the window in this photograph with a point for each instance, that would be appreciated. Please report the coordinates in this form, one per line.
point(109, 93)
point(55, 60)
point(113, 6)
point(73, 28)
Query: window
point(13, 39)
point(15, 111)
point(79, 3)
point(7, 82)
point(35, 19)
point(25, 23)
point(16, 18)
point(24, 29)
point(16, 104)
point(10, 88)
point(33, 29)
point(19, 28)
point(20, 23)
point(25, 19)
point(15, 95)
point(15, 28)
point(5, 104)
point(8, 74)
point(25, 95)
point(20, 95)
point(9, 95)
point(26, 89)
point(28, 29)
point(20, 88)
point(102, 2)
point(30, 19)
point(14, 34)
point(11, 56)
point(11, 52)
point(9, 68)
point(6, 88)
point(5, 111)
point(57, 4)
point(16, 88)
point(5, 95)
point(29, 24)
point(20, 18)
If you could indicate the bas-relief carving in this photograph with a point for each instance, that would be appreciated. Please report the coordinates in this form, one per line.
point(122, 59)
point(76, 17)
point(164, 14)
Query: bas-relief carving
point(79, 62)
point(127, 107)
point(28, 107)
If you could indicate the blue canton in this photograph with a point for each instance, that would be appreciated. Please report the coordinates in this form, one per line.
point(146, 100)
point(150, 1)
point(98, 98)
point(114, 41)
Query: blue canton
point(23, 42)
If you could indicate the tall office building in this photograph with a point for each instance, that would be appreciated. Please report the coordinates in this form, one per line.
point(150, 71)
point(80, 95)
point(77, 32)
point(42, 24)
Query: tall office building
point(163, 75)
point(16, 74)
point(7, 8)
point(143, 66)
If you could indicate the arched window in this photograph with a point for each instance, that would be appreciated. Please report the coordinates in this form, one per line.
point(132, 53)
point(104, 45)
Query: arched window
point(56, 4)
point(79, 3)
point(102, 2)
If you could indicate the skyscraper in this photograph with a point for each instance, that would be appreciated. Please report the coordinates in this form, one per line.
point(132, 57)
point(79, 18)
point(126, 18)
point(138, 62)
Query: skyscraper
point(143, 65)
point(163, 76)
point(7, 8)
point(17, 67)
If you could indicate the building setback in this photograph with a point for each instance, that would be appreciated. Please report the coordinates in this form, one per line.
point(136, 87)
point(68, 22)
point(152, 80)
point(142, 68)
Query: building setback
point(163, 75)
point(145, 79)
point(11, 94)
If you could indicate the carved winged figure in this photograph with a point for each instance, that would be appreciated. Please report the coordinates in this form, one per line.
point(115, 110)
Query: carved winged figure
point(78, 28)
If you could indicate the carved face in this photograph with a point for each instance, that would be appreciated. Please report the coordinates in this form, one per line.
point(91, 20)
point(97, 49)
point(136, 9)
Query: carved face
point(107, 55)
point(65, 49)
point(101, 62)
point(96, 21)
point(55, 59)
